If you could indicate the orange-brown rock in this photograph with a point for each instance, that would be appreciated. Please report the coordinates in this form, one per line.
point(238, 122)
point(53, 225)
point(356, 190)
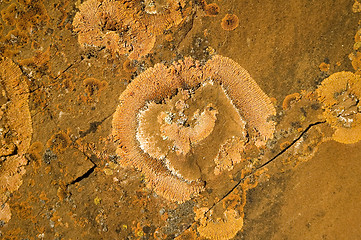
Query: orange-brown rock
point(173, 121)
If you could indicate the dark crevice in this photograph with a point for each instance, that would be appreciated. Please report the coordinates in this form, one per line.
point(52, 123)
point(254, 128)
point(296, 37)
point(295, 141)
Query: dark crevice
point(259, 167)
point(84, 176)
point(269, 161)
point(12, 153)
point(289, 146)
point(66, 69)
point(93, 127)
point(87, 173)
point(187, 31)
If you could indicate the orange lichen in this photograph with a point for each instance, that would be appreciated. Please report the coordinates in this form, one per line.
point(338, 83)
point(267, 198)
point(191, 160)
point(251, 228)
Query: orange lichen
point(340, 94)
point(355, 60)
point(230, 22)
point(40, 59)
point(23, 209)
point(34, 155)
point(126, 27)
point(11, 172)
point(324, 67)
point(15, 122)
point(232, 200)
point(16, 38)
point(357, 37)
point(219, 229)
point(304, 149)
point(5, 213)
point(284, 145)
point(128, 66)
point(24, 16)
point(212, 9)
point(16, 110)
point(289, 99)
point(229, 154)
point(172, 122)
point(93, 89)
point(59, 142)
point(9, 14)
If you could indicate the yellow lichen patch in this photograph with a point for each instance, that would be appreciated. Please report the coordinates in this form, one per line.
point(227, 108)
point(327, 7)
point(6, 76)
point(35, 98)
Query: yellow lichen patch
point(357, 37)
point(126, 27)
point(220, 229)
point(324, 67)
point(172, 121)
point(230, 22)
point(356, 7)
point(289, 99)
point(340, 94)
point(225, 217)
